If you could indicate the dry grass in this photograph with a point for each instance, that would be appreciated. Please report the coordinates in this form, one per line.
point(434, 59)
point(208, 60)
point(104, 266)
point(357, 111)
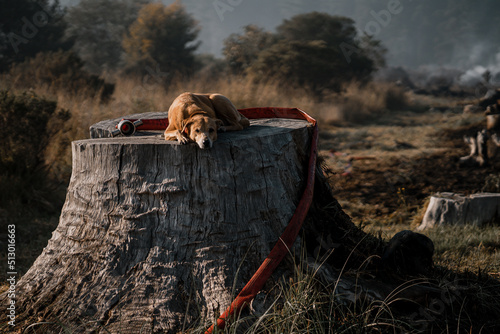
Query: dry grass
point(467, 247)
point(389, 194)
point(364, 103)
point(356, 104)
point(372, 120)
point(141, 95)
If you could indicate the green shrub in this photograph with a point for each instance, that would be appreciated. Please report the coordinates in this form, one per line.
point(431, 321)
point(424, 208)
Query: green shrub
point(59, 71)
point(28, 122)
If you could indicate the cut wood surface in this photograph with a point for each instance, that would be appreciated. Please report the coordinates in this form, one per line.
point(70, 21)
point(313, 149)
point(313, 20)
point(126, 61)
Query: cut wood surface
point(104, 128)
point(154, 235)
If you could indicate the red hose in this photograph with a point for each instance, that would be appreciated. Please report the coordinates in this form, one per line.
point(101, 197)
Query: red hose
point(288, 237)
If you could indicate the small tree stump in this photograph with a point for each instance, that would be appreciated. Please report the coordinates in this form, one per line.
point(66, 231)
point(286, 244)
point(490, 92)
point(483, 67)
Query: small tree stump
point(455, 209)
point(154, 235)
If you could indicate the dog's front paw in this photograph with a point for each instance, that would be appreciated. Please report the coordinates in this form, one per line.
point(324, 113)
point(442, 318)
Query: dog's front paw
point(183, 140)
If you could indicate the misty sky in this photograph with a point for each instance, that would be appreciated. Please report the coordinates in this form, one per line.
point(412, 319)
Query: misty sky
point(441, 32)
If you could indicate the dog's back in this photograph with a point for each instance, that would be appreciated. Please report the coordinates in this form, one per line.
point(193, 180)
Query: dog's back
point(185, 106)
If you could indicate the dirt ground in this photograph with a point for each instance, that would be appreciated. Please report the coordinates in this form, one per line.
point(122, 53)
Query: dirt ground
point(385, 170)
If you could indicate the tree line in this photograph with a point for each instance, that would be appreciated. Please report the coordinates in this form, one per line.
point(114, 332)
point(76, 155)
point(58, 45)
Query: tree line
point(135, 37)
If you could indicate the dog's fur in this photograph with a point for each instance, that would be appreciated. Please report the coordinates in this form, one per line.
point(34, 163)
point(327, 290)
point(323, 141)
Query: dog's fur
point(197, 117)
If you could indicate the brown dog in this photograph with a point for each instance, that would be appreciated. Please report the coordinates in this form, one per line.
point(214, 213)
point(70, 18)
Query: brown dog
point(197, 117)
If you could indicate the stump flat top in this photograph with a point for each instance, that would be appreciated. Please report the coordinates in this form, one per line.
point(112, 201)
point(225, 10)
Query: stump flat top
point(461, 197)
point(258, 128)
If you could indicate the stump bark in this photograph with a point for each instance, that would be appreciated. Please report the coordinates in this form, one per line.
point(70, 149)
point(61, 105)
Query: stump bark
point(154, 235)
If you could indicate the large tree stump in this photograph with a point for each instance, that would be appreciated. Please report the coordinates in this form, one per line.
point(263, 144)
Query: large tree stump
point(154, 234)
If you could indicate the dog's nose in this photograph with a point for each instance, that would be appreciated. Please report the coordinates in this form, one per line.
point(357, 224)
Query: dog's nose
point(206, 143)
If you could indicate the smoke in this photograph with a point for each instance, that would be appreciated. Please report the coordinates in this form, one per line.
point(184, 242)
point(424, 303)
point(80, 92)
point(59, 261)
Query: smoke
point(472, 64)
point(435, 77)
point(476, 74)
point(473, 76)
point(423, 77)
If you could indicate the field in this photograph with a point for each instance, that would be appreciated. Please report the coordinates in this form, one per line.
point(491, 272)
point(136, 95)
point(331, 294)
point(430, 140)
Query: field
point(406, 157)
point(405, 148)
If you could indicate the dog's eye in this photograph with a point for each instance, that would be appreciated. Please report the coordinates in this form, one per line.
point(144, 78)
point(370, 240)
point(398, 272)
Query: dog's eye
point(211, 130)
point(197, 130)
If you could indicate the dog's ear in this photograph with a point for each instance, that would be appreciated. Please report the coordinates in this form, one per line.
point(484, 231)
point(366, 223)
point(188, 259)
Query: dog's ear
point(219, 123)
point(185, 125)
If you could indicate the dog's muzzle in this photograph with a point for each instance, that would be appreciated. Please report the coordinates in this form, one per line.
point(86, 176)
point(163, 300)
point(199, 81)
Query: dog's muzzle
point(204, 143)
point(207, 143)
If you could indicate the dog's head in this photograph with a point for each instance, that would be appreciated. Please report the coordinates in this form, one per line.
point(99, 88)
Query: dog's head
point(202, 130)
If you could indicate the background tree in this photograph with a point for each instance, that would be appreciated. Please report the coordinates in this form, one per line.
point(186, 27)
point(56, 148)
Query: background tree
point(28, 27)
point(306, 51)
point(163, 38)
point(97, 27)
point(208, 67)
point(316, 26)
point(242, 50)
